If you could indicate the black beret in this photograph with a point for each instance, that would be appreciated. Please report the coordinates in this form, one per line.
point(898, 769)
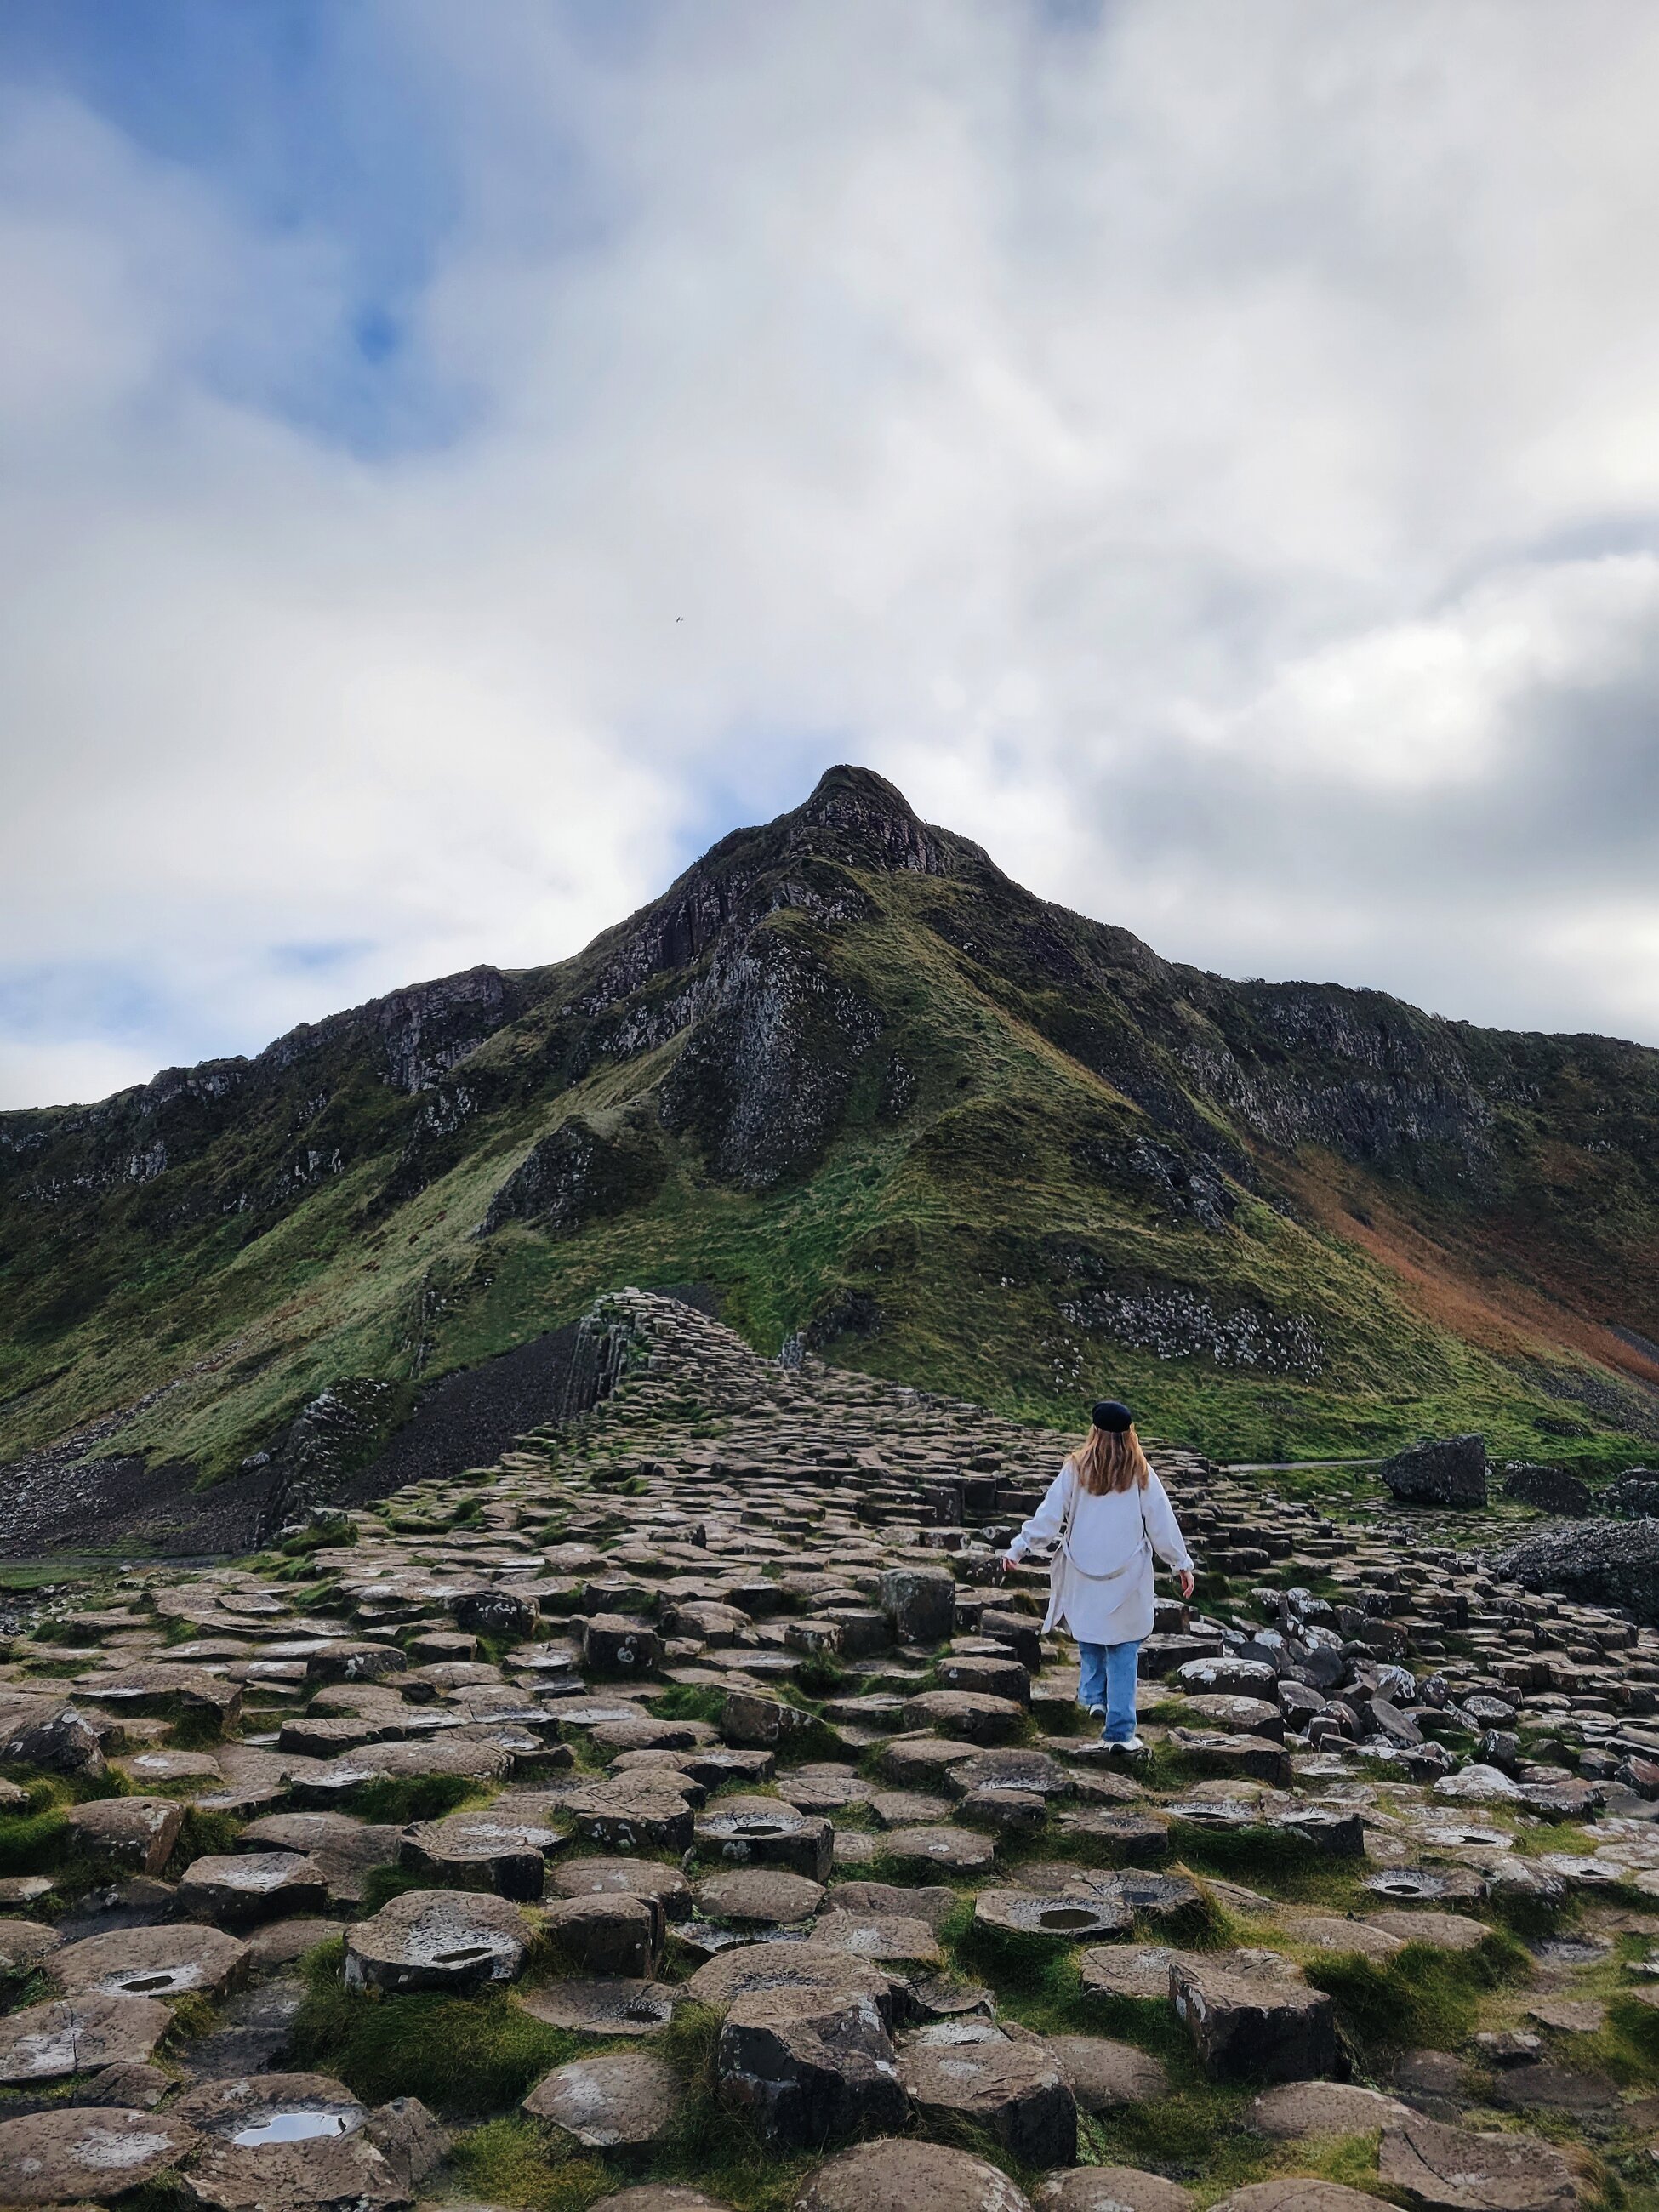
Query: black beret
point(1112, 1414)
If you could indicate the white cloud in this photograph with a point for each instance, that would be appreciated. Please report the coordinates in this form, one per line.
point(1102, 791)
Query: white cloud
point(1210, 457)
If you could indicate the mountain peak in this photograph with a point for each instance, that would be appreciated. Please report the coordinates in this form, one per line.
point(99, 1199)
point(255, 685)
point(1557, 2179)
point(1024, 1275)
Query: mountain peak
point(862, 818)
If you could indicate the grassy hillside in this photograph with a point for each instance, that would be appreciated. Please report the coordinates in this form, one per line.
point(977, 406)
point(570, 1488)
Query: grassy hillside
point(852, 1076)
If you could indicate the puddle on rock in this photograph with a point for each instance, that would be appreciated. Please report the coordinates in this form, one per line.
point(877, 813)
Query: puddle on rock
point(292, 2127)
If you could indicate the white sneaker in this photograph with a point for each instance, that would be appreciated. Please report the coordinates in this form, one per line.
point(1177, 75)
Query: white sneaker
point(1095, 1712)
point(1132, 1744)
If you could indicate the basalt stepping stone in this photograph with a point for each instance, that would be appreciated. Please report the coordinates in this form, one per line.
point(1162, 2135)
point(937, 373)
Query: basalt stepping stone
point(1017, 2092)
point(172, 1960)
point(1103, 2074)
point(1227, 1677)
point(1329, 1932)
point(606, 2103)
point(308, 2152)
point(79, 2156)
point(242, 1886)
point(280, 1942)
point(613, 2005)
point(764, 1832)
point(1148, 1896)
point(967, 1713)
point(809, 2066)
point(1246, 2026)
point(482, 1850)
point(325, 1781)
point(1446, 1931)
point(636, 1812)
point(658, 2196)
point(23, 1945)
point(343, 1851)
point(1408, 1886)
point(325, 1736)
point(1298, 2193)
point(453, 1941)
point(643, 1733)
point(1298, 2109)
point(1001, 1677)
point(138, 1833)
point(884, 1935)
point(667, 1885)
point(24, 1889)
point(921, 1762)
point(255, 2106)
point(1012, 1768)
point(612, 1644)
point(141, 1901)
point(79, 2035)
point(934, 1904)
point(343, 1660)
point(607, 1933)
point(1542, 2087)
point(908, 1808)
point(1569, 2016)
point(814, 1793)
point(1110, 2189)
point(1129, 1970)
point(763, 1895)
point(1062, 1918)
point(807, 1968)
point(669, 1766)
point(950, 1851)
point(1454, 2170)
point(907, 2176)
point(1130, 1838)
point(148, 1770)
point(1249, 1758)
point(1237, 1715)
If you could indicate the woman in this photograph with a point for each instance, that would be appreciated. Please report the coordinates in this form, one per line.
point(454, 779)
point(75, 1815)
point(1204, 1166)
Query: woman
point(1109, 1513)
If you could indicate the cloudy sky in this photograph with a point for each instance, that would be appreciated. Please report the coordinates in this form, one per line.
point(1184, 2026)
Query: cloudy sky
point(456, 460)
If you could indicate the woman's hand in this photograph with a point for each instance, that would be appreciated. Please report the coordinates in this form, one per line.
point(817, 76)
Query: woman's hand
point(1007, 1562)
point(1185, 1582)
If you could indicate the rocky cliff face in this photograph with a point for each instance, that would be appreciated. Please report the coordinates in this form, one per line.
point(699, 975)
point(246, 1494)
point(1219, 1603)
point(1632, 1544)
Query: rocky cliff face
point(849, 1073)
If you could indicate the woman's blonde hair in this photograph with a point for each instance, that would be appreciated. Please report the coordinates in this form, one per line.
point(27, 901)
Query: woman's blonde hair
point(1110, 1459)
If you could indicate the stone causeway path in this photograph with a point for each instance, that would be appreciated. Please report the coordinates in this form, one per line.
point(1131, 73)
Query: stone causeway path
point(685, 1812)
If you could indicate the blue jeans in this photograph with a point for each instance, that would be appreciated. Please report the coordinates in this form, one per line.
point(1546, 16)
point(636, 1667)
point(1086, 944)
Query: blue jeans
point(1106, 1676)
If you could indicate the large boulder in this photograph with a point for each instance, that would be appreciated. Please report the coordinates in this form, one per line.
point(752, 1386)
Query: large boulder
point(1600, 1563)
point(1551, 1489)
point(1634, 1497)
point(1441, 1471)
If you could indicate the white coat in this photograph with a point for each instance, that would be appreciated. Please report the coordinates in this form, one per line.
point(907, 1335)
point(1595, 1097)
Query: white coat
point(1117, 1529)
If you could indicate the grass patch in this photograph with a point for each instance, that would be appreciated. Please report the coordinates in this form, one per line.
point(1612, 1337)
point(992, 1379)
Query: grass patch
point(201, 1835)
point(1422, 1996)
point(397, 1800)
point(681, 1701)
point(382, 1883)
point(33, 1842)
point(514, 2162)
point(460, 2056)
